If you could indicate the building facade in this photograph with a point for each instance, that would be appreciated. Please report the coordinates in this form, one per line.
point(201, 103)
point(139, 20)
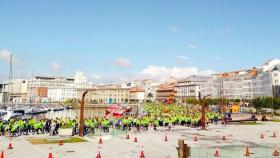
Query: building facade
point(14, 91)
point(136, 95)
point(165, 92)
point(60, 95)
point(189, 88)
point(39, 86)
point(244, 84)
point(105, 94)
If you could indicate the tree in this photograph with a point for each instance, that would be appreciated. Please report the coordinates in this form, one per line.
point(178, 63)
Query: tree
point(70, 102)
point(150, 96)
point(267, 102)
point(263, 102)
point(237, 100)
point(276, 104)
point(193, 101)
point(257, 103)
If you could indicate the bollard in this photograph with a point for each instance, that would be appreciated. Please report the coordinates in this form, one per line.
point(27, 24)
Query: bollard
point(183, 149)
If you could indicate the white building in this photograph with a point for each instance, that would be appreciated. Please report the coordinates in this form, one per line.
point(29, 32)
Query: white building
point(80, 80)
point(16, 91)
point(39, 86)
point(276, 80)
point(148, 86)
point(189, 88)
point(245, 84)
point(61, 94)
point(136, 95)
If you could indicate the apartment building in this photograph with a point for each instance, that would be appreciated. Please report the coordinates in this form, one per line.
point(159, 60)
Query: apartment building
point(276, 80)
point(136, 95)
point(189, 88)
point(105, 94)
point(14, 91)
point(165, 92)
point(244, 84)
point(61, 94)
point(39, 86)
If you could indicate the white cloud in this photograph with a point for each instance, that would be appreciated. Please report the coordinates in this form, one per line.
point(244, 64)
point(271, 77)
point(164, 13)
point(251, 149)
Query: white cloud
point(123, 62)
point(174, 29)
point(5, 55)
point(96, 77)
point(192, 46)
point(55, 66)
point(161, 72)
point(112, 78)
point(156, 73)
point(182, 57)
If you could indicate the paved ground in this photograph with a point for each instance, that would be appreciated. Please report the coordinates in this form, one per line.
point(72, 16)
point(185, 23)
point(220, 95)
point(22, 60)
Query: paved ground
point(116, 146)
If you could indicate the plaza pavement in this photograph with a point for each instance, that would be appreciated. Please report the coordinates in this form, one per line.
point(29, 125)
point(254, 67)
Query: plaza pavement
point(238, 137)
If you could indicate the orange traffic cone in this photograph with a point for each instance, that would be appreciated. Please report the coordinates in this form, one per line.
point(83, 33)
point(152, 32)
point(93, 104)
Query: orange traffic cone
point(100, 141)
point(135, 139)
point(50, 153)
point(60, 142)
point(247, 152)
point(127, 136)
point(224, 138)
point(195, 138)
point(10, 146)
point(217, 152)
point(274, 135)
point(262, 136)
point(98, 155)
point(166, 139)
point(142, 155)
point(275, 152)
point(2, 154)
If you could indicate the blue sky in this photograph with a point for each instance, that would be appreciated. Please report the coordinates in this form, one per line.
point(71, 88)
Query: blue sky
point(122, 40)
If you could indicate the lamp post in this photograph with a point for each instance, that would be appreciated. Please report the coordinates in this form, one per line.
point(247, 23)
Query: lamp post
point(82, 111)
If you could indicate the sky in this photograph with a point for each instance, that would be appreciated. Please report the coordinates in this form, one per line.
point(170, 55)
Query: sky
point(118, 41)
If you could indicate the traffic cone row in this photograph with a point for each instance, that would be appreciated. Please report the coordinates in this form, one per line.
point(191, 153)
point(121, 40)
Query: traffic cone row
point(142, 155)
point(165, 138)
point(195, 138)
point(100, 141)
point(247, 154)
point(60, 142)
point(217, 154)
point(275, 152)
point(99, 153)
point(10, 146)
point(135, 140)
point(50, 153)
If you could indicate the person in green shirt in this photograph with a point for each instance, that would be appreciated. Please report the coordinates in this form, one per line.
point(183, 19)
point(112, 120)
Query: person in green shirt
point(2, 128)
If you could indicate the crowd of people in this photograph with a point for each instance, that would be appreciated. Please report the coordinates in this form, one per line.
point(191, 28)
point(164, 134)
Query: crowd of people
point(153, 115)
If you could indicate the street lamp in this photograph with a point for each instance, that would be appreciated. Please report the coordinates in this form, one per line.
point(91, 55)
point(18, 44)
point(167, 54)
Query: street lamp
point(82, 110)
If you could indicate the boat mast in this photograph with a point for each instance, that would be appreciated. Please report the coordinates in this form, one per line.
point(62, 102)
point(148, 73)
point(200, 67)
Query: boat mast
point(10, 80)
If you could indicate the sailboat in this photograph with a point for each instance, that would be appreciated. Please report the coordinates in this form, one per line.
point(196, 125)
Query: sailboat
point(8, 111)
